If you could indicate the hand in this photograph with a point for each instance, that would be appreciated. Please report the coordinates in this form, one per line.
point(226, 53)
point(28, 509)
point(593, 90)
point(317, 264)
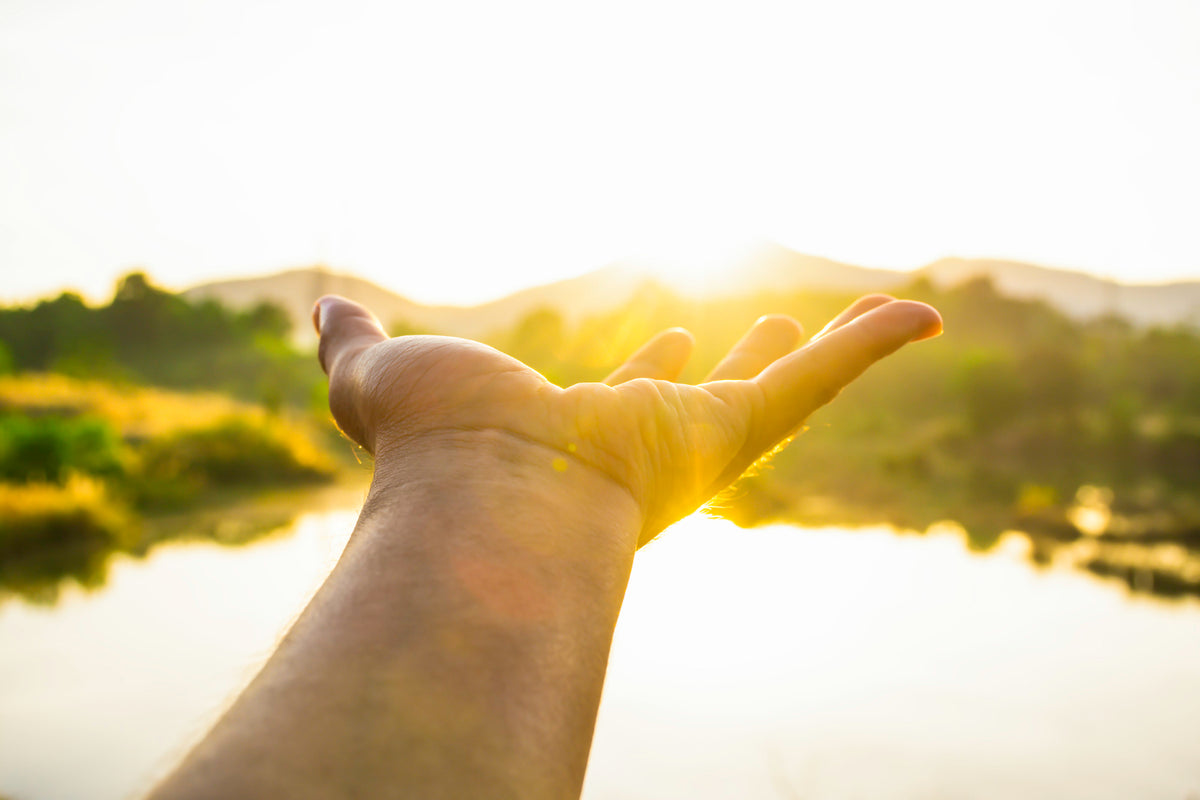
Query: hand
point(671, 446)
point(458, 647)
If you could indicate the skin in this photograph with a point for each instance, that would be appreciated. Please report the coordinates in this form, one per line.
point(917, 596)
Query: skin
point(458, 649)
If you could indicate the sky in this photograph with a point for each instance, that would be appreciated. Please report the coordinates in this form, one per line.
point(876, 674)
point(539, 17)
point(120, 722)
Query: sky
point(457, 151)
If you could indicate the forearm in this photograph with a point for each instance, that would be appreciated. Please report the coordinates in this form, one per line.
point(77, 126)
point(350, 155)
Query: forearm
point(458, 649)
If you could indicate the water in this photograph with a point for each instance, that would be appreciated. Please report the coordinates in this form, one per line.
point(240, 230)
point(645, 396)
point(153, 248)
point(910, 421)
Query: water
point(773, 663)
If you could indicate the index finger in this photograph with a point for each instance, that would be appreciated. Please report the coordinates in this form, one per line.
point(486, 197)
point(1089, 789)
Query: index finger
point(807, 379)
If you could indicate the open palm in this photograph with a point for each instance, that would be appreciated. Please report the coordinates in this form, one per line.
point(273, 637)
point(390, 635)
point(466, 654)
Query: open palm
point(671, 445)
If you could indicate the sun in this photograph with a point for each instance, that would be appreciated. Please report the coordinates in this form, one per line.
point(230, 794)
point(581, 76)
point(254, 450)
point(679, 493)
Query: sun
point(700, 264)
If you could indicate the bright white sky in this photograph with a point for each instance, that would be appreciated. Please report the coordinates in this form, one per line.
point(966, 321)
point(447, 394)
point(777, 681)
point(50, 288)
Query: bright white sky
point(457, 151)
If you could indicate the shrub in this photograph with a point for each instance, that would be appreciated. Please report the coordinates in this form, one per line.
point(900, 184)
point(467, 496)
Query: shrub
point(47, 449)
point(234, 452)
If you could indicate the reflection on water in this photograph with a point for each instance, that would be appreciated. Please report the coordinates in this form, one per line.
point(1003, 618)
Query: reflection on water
point(775, 663)
point(781, 662)
point(116, 682)
point(39, 573)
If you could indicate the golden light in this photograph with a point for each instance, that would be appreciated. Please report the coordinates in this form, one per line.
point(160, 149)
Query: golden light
point(699, 264)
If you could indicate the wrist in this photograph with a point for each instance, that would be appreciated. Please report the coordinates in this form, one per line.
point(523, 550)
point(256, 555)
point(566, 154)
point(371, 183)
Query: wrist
point(520, 569)
point(476, 464)
point(504, 495)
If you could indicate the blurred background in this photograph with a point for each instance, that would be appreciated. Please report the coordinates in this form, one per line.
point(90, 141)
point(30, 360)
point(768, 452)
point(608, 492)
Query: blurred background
point(976, 574)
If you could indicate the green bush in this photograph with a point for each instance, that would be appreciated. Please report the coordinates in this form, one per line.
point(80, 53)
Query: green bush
point(235, 452)
point(49, 448)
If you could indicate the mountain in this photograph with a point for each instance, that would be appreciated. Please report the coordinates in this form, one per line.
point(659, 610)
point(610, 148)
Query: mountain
point(1076, 294)
point(767, 267)
point(773, 267)
point(296, 291)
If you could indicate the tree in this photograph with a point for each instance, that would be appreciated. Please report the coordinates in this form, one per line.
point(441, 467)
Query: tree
point(991, 388)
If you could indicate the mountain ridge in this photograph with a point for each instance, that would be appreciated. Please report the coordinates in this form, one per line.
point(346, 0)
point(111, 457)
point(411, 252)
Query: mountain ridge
point(768, 267)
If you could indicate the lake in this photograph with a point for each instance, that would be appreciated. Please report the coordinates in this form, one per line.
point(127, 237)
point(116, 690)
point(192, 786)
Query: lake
point(778, 662)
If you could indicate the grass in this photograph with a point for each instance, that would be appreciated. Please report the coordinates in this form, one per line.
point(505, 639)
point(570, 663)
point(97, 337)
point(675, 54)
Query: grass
point(137, 412)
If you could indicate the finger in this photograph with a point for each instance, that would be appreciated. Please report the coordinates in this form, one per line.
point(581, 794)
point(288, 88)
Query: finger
point(772, 337)
point(856, 309)
point(662, 358)
point(346, 329)
point(804, 381)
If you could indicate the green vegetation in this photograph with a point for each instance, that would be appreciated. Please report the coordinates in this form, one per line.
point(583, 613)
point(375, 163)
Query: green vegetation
point(149, 336)
point(87, 468)
point(48, 448)
point(234, 452)
point(91, 458)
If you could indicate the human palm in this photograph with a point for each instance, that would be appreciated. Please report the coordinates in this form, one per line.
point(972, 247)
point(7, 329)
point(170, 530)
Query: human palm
point(671, 445)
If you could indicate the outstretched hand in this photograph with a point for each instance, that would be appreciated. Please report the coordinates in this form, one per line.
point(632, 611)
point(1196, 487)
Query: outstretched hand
point(670, 445)
point(458, 647)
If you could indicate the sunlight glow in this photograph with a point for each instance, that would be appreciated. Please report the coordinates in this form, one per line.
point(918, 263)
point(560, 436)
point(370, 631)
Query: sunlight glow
point(419, 145)
point(695, 265)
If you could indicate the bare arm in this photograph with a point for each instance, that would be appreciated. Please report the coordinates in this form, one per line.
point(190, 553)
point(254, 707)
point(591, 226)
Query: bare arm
point(457, 650)
point(459, 647)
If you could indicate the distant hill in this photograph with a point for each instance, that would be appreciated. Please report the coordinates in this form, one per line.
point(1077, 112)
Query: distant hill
point(773, 267)
point(1076, 294)
point(768, 267)
point(296, 291)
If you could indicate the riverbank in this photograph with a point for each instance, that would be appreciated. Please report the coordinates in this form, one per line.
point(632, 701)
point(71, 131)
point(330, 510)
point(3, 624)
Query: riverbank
point(1147, 536)
point(89, 468)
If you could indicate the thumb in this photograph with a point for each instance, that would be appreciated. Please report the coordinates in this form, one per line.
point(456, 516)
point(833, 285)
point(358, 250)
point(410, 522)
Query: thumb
point(346, 329)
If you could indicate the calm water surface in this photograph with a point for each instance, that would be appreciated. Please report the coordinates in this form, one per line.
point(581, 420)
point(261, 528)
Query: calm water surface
point(774, 663)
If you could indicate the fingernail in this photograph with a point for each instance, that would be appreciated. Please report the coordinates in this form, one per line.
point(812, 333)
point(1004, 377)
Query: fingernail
point(930, 330)
point(318, 314)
